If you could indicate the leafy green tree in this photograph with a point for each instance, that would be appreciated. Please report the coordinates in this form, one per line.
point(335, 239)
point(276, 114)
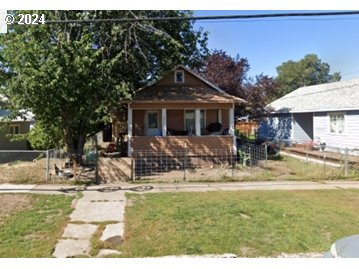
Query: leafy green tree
point(41, 138)
point(308, 71)
point(71, 74)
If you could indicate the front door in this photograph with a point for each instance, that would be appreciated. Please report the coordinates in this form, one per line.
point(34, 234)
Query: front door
point(152, 123)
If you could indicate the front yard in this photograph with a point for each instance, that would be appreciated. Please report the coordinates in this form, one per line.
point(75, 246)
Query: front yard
point(246, 223)
point(30, 225)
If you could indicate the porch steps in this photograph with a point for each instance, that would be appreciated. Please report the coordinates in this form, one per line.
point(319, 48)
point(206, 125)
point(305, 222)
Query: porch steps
point(114, 169)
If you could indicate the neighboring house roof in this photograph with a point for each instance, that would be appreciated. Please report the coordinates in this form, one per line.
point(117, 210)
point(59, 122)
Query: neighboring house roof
point(176, 92)
point(28, 116)
point(335, 96)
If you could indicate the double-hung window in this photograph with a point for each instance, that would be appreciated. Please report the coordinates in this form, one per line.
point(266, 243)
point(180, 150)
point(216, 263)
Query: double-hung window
point(336, 123)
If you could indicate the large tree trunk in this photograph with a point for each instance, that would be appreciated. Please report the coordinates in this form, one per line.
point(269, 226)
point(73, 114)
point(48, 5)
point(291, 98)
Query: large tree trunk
point(75, 147)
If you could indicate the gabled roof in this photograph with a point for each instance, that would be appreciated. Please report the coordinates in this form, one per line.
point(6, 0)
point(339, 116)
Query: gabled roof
point(335, 96)
point(176, 92)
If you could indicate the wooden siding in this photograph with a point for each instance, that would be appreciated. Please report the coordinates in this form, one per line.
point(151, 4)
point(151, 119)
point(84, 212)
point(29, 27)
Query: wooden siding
point(302, 127)
point(138, 122)
point(175, 120)
point(189, 80)
point(348, 139)
point(211, 116)
point(196, 145)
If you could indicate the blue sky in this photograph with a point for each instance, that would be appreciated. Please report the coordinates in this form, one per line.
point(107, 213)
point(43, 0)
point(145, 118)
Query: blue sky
point(267, 43)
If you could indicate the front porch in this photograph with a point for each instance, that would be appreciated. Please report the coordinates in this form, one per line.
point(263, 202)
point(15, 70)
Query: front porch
point(201, 128)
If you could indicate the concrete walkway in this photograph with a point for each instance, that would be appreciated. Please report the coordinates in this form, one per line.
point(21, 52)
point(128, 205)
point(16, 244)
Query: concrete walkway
point(104, 206)
point(97, 206)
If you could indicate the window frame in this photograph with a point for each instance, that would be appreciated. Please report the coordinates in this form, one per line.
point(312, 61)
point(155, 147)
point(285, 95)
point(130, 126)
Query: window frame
point(175, 76)
point(14, 127)
point(194, 111)
point(330, 117)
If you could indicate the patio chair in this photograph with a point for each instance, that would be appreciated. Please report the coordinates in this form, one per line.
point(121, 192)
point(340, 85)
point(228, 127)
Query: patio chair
point(244, 157)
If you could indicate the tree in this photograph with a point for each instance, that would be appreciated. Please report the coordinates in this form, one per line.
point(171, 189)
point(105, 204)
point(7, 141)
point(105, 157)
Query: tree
point(41, 138)
point(226, 72)
point(259, 93)
point(230, 74)
point(308, 71)
point(71, 74)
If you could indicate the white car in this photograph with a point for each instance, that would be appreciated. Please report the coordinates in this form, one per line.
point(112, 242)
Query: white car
point(347, 247)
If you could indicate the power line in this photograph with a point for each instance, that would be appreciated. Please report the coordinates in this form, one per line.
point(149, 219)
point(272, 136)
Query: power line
point(202, 18)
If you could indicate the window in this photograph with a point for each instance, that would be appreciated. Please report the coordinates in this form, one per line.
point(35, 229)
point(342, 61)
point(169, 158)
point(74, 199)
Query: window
point(190, 121)
point(152, 120)
point(14, 129)
point(179, 76)
point(336, 123)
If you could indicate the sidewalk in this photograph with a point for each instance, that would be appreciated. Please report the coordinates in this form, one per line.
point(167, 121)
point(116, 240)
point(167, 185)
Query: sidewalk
point(101, 208)
point(181, 187)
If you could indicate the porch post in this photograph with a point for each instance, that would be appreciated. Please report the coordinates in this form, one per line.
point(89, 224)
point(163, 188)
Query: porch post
point(164, 122)
point(231, 129)
point(129, 130)
point(220, 116)
point(198, 122)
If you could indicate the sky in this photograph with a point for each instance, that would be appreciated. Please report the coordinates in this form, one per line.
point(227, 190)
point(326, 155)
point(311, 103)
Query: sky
point(267, 43)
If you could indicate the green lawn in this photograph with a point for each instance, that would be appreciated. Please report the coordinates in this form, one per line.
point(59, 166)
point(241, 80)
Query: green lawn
point(32, 229)
point(247, 223)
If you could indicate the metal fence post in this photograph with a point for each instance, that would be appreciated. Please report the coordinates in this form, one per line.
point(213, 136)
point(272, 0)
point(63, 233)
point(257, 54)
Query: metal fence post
point(232, 162)
point(250, 157)
point(306, 153)
point(185, 162)
point(47, 165)
point(325, 163)
point(266, 159)
point(346, 163)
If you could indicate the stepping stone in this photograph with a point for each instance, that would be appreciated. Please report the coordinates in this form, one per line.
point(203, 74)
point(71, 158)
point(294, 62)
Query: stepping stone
point(88, 211)
point(80, 231)
point(114, 241)
point(71, 247)
point(112, 230)
point(105, 252)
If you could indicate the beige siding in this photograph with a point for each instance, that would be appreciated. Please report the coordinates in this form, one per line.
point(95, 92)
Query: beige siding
point(6, 144)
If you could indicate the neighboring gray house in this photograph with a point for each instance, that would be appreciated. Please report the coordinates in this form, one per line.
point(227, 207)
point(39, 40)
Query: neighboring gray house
point(16, 126)
point(329, 112)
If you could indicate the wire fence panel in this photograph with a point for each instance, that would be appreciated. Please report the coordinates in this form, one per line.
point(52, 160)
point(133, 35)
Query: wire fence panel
point(182, 165)
point(23, 166)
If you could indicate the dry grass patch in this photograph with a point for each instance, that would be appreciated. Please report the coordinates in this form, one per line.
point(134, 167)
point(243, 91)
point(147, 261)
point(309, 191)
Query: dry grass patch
point(23, 172)
point(12, 203)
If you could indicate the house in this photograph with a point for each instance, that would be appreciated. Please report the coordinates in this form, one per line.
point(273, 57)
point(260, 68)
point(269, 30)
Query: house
point(180, 111)
point(19, 125)
point(327, 112)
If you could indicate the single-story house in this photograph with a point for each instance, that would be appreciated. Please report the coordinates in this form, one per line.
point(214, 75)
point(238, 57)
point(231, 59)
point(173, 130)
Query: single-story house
point(327, 112)
point(19, 125)
point(181, 110)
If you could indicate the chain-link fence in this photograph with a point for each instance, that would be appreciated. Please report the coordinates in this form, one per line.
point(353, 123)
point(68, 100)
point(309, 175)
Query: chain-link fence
point(23, 166)
point(61, 167)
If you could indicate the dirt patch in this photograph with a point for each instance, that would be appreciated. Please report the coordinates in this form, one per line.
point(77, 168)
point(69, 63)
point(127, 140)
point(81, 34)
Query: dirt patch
point(12, 203)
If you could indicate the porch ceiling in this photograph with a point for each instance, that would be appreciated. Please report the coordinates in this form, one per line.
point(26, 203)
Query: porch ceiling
point(180, 105)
